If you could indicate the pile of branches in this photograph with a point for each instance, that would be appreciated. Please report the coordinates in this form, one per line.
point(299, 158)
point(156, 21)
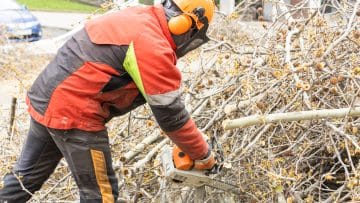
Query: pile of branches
point(306, 63)
point(296, 65)
point(306, 60)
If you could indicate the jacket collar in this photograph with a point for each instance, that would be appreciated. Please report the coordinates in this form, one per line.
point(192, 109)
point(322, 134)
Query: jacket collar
point(160, 14)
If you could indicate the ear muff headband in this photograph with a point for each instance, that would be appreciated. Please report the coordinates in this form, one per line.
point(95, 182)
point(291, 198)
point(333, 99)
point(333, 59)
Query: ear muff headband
point(180, 24)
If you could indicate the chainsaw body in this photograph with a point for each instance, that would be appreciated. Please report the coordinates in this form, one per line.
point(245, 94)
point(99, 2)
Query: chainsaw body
point(194, 178)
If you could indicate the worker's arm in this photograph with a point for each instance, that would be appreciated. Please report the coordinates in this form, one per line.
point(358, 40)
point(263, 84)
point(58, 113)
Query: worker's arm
point(187, 136)
point(158, 79)
point(176, 122)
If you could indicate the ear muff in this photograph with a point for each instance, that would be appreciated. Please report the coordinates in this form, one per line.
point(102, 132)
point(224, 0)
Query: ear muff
point(180, 24)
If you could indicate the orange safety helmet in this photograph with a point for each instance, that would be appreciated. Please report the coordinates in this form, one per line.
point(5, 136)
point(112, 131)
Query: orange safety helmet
point(193, 11)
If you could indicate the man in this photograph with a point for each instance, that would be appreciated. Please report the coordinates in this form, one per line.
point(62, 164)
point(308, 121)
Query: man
point(116, 63)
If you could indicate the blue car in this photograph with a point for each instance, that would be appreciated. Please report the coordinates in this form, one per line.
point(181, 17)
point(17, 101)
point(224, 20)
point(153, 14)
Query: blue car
point(17, 23)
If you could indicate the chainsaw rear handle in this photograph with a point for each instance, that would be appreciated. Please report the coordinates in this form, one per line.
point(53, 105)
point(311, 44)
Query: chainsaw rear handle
point(183, 161)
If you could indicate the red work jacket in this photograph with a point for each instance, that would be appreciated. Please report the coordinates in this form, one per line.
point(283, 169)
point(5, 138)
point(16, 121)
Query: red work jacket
point(116, 63)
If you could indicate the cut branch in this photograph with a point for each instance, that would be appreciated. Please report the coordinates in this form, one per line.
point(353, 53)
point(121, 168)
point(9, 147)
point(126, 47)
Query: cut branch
point(292, 116)
point(148, 157)
point(141, 146)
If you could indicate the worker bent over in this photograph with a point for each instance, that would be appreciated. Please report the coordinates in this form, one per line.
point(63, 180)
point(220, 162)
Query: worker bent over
point(116, 63)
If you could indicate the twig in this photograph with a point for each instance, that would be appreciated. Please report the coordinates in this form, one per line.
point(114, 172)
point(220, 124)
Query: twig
point(12, 116)
point(22, 185)
point(212, 120)
point(346, 33)
point(288, 62)
point(142, 190)
point(55, 186)
point(340, 132)
point(138, 185)
point(129, 124)
point(337, 153)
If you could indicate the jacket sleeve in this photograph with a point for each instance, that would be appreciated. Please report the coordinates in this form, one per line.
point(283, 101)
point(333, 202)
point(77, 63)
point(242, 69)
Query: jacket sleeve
point(158, 79)
point(176, 122)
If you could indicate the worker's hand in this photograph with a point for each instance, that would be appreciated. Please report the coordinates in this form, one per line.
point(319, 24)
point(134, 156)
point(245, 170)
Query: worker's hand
point(207, 163)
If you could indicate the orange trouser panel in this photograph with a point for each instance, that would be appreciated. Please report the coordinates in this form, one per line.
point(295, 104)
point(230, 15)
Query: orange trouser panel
point(101, 176)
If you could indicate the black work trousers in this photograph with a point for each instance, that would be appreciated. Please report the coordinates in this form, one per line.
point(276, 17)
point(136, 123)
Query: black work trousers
point(87, 154)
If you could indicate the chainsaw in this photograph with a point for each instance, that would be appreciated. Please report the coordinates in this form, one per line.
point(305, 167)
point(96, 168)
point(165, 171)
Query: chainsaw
point(178, 167)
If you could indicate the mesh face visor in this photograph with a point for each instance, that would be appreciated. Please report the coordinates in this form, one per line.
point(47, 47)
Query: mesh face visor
point(196, 40)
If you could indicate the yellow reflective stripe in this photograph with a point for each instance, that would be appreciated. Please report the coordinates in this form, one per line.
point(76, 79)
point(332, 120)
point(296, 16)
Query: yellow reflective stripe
point(132, 68)
point(102, 179)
